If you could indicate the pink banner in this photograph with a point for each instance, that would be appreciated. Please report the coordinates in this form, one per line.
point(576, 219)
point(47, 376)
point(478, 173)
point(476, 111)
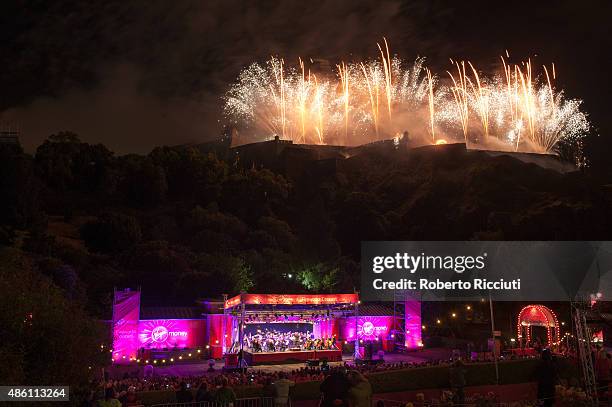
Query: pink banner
point(413, 325)
point(368, 327)
point(126, 312)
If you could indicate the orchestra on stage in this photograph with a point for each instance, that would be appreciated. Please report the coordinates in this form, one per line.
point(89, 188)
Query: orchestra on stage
point(270, 340)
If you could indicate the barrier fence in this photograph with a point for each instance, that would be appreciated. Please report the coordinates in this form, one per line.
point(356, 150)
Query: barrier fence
point(242, 402)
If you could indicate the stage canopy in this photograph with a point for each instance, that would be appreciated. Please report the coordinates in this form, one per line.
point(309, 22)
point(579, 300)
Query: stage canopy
point(297, 300)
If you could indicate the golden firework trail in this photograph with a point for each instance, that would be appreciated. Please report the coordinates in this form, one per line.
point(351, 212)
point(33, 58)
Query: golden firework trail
point(344, 80)
point(430, 95)
point(482, 100)
point(373, 96)
point(385, 57)
point(460, 94)
point(515, 110)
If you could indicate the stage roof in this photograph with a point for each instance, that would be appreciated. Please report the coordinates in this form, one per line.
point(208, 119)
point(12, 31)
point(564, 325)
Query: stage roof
point(292, 299)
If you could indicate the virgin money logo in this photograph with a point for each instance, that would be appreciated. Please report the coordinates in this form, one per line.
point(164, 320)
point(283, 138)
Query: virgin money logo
point(159, 334)
point(367, 328)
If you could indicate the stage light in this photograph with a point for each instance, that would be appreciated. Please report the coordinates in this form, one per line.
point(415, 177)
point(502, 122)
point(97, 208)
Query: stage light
point(512, 340)
point(423, 327)
point(453, 315)
point(467, 307)
point(207, 347)
point(171, 359)
point(180, 358)
point(438, 321)
point(393, 335)
point(155, 361)
point(137, 360)
point(163, 360)
point(123, 356)
point(146, 361)
point(562, 323)
point(189, 355)
point(216, 341)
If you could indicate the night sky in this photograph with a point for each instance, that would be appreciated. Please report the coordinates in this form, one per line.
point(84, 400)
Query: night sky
point(137, 74)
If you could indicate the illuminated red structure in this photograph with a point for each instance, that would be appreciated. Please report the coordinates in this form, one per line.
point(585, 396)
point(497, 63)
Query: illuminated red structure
point(166, 335)
point(537, 315)
point(327, 313)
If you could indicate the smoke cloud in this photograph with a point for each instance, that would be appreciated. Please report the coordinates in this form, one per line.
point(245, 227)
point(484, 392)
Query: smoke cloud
point(139, 74)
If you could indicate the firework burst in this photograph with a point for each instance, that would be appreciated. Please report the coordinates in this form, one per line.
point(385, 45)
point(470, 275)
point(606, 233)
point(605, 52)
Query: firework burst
point(365, 101)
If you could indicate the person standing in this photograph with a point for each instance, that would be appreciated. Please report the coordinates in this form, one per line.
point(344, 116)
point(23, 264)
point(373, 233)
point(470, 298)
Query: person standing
point(109, 399)
point(204, 394)
point(183, 395)
point(547, 379)
point(360, 392)
point(335, 389)
point(282, 387)
point(225, 394)
point(457, 381)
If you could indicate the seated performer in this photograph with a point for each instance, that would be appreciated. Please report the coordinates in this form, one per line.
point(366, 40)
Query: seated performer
point(256, 345)
point(271, 347)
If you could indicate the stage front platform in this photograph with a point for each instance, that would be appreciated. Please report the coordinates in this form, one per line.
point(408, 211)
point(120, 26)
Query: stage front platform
point(273, 358)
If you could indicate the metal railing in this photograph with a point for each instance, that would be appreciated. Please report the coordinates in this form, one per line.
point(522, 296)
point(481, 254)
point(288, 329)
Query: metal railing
point(242, 402)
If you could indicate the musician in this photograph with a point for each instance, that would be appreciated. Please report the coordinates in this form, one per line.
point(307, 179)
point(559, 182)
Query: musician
point(256, 345)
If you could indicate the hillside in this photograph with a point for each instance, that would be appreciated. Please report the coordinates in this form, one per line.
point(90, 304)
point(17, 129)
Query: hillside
point(185, 224)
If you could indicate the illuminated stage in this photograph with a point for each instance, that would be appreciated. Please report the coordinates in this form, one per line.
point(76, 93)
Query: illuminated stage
point(272, 358)
point(333, 317)
point(310, 326)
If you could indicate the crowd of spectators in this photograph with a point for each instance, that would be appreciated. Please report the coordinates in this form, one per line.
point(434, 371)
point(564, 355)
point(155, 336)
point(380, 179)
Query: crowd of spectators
point(217, 386)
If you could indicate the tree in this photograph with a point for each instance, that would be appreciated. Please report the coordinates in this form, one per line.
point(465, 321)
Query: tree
point(318, 277)
point(65, 163)
point(226, 274)
point(47, 339)
point(112, 232)
point(144, 182)
point(157, 266)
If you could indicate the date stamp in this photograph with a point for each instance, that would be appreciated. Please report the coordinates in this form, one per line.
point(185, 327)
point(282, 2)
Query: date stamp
point(34, 393)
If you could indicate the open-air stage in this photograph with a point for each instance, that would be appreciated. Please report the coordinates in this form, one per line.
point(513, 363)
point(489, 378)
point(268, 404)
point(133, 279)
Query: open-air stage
point(273, 358)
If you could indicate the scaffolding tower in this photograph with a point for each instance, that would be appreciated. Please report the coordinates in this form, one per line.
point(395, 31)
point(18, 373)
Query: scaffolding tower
point(583, 337)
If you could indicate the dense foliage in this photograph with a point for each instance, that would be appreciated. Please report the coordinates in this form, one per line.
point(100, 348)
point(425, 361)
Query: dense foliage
point(186, 223)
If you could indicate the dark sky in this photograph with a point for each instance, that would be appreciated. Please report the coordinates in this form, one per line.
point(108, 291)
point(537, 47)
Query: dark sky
point(135, 74)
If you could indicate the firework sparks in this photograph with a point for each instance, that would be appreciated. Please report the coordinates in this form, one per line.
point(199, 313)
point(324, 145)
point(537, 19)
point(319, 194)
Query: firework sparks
point(516, 110)
point(431, 105)
point(460, 93)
